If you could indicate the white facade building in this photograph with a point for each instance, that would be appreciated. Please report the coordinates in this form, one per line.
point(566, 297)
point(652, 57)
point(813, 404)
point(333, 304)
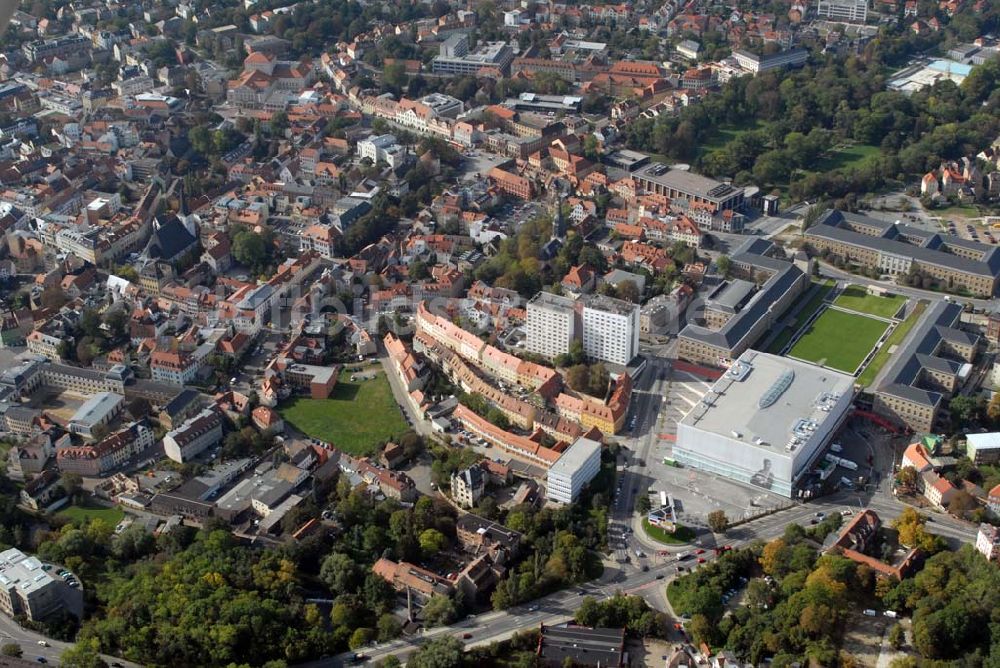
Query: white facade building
point(193, 436)
point(577, 467)
point(610, 329)
point(383, 148)
point(765, 422)
point(843, 10)
point(551, 324)
point(988, 542)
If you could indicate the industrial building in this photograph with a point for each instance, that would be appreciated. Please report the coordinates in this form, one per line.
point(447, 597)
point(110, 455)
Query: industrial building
point(765, 421)
point(577, 467)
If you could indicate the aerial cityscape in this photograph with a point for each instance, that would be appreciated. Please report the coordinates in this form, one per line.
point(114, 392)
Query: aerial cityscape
point(496, 333)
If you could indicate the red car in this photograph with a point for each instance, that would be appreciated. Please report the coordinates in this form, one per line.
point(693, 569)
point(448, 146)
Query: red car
point(466, 636)
point(699, 551)
point(701, 560)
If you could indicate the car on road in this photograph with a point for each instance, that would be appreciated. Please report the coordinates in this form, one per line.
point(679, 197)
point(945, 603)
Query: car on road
point(699, 551)
point(41, 659)
point(701, 560)
point(821, 516)
point(466, 636)
point(42, 643)
point(659, 576)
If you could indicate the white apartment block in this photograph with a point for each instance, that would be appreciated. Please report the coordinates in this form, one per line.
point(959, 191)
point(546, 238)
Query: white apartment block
point(577, 467)
point(610, 329)
point(855, 11)
point(988, 542)
point(551, 324)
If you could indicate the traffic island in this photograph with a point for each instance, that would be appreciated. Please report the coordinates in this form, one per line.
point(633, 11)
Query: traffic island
point(681, 535)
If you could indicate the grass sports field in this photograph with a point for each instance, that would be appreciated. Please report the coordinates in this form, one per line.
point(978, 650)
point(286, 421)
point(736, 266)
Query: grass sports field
point(839, 340)
point(356, 418)
point(857, 299)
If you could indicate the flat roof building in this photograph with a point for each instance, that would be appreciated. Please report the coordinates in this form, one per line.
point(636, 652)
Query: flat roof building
point(610, 329)
point(455, 58)
point(983, 448)
point(550, 325)
point(576, 468)
point(765, 421)
point(26, 588)
point(98, 410)
point(559, 646)
point(681, 184)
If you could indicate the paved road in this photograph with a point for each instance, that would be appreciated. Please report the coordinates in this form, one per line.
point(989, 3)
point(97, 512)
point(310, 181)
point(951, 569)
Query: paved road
point(10, 632)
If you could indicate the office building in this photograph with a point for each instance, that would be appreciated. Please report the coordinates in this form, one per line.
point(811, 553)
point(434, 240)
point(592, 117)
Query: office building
point(577, 467)
point(456, 58)
point(26, 588)
point(927, 369)
point(610, 329)
point(765, 421)
point(854, 11)
point(899, 250)
point(382, 148)
point(755, 64)
point(551, 324)
point(678, 184)
point(739, 311)
point(983, 448)
point(574, 645)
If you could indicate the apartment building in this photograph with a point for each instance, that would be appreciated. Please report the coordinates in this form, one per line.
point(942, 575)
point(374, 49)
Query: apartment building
point(468, 485)
point(407, 577)
point(927, 370)
point(900, 249)
point(988, 542)
point(194, 436)
point(456, 58)
point(382, 148)
point(107, 455)
point(511, 184)
point(577, 467)
point(551, 324)
point(610, 329)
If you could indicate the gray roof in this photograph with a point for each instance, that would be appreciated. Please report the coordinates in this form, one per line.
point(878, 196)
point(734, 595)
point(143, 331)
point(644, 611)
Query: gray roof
point(920, 352)
point(784, 277)
point(731, 295)
point(688, 182)
point(933, 248)
point(584, 646)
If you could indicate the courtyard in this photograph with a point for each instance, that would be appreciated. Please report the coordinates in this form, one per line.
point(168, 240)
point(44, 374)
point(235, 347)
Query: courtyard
point(839, 340)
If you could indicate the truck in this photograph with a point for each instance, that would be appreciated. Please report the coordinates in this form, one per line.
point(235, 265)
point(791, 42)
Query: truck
point(837, 448)
point(833, 459)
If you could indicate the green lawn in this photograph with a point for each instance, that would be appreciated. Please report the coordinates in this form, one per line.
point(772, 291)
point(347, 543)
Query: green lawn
point(957, 211)
point(808, 309)
point(89, 512)
point(356, 418)
point(839, 340)
point(681, 536)
point(724, 134)
point(867, 377)
point(846, 157)
point(857, 298)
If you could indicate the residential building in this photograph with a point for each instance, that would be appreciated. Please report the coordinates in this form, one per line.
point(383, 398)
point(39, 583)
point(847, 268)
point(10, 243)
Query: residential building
point(610, 330)
point(407, 577)
point(988, 541)
point(105, 456)
point(551, 324)
point(938, 491)
point(382, 148)
point(479, 535)
point(194, 436)
point(468, 485)
point(575, 469)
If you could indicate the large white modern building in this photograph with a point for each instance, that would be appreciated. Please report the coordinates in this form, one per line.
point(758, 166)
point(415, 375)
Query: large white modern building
point(26, 588)
point(571, 472)
point(610, 329)
point(97, 411)
point(194, 436)
point(765, 421)
point(551, 324)
point(843, 10)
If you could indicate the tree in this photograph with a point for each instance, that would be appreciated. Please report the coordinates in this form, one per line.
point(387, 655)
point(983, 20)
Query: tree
point(71, 483)
point(897, 636)
point(388, 627)
point(432, 541)
point(439, 610)
point(717, 521)
point(908, 478)
point(444, 652)
point(775, 557)
point(84, 654)
point(628, 291)
point(724, 265)
point(961, 503)
point(53, 297)
point(249, 249)
point(11, 649)
point(643, 504)
point(361, 637)
point(993, 409)
point(340, 573)
point(964, 409)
